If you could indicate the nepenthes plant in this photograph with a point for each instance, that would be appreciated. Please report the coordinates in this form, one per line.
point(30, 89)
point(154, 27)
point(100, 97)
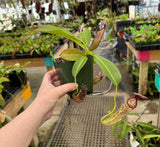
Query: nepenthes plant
point(80, 57)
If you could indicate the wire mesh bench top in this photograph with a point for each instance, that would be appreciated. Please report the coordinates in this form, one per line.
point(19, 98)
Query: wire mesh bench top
point(80, 126)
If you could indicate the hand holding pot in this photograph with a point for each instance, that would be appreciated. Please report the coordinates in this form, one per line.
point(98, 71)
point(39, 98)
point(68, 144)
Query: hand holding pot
point(20, 131)
point(51, 90)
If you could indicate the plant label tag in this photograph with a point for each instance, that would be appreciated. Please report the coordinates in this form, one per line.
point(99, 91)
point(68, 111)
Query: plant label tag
point(48, 61)
point(157, 80)
point(27, 93)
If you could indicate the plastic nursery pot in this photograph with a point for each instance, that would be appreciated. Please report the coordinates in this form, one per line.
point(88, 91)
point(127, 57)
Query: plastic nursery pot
point(84, 77)
point(158, 67)
point(8, 88)
point(18, 79)
point(133, 143)
point(134, 2)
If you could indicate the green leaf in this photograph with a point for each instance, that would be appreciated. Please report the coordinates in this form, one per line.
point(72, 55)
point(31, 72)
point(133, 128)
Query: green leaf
point(116, 126)
point(12, 3)
point(38, 51)
point(26, 63)
point(1, 88)
point(125, 129)
point(151, 136)
point(1, 64)
point(4, 79)
point(53, 58)
point(78, 65)
point(97, 39)
point(136, 114)
point(31, 52)
point(145, 125)
point(139, 137)
point(108, 68)
point(109, 33)
point(60, 31)
point(16, 66)
point(1, 21)
point(85, 36)
point(71, 54)
point(8, 119)
point(2, 101)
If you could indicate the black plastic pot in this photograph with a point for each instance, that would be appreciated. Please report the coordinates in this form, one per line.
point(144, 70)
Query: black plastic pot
point(14, 84)
point(17, 79)
point(54, 12)
point(5, 57)
point(135, 85)
point(121, 24)
point(146, 47)
point(84, 77)
point(6, 87)
point(143, 47)
point(22, 56)
point(133, 2)
point(30, 11)
point(158, 67)
point(62, 11)
point(9, 92)
point(47, 13)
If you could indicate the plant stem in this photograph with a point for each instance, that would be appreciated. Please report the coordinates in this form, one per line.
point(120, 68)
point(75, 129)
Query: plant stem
point(104, 118)
point(8, 92)
point(20, 79)
point(76, 85)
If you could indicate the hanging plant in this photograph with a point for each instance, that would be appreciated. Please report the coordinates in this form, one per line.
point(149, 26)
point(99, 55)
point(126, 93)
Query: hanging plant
point(5, 71)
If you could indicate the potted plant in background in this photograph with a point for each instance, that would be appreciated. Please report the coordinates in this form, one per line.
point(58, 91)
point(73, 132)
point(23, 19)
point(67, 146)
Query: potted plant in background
point(145, 37)
point(79, 57)
point(4, 119)
point(14, 46)
point(108, 17)
point(141, 133)
point(12, 77)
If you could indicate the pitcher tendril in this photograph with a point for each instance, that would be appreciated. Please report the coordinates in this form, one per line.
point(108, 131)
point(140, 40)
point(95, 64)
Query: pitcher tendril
point(104, 119)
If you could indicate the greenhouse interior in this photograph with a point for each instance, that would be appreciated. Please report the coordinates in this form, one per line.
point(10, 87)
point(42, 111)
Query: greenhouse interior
point(46, 49)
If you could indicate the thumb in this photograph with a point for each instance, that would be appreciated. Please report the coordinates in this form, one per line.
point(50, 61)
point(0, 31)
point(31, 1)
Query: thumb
point(63, 89)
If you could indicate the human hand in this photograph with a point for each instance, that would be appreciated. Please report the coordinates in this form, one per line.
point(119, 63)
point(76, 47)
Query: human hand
point(51, 90)
point(23, 127)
